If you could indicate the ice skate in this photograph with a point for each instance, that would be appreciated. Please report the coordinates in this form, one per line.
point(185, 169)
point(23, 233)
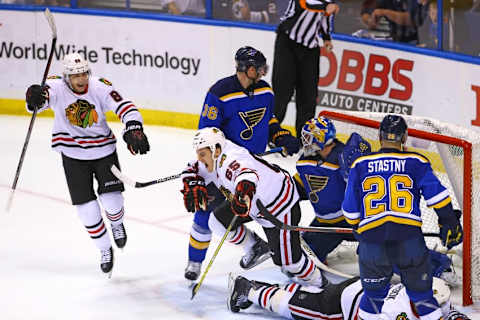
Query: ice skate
point(238, 293)
point(257, 254)
point(119, 235)
point(106, 262)
point(192, 271)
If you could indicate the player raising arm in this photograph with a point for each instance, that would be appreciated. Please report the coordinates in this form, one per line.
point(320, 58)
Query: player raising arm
point(88, 147)
point(382, 202)
point(247, 178)
point(241, 106)
point(334, 302)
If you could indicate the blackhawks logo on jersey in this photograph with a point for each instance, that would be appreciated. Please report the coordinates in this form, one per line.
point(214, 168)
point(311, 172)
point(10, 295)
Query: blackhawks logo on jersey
point(251, 119)
point(105, 81)
point(316, 184)
point(402, 316)
point(81, 113)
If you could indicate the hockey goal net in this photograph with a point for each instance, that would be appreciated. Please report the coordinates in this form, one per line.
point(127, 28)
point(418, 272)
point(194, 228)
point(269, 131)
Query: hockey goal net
point(455, 156)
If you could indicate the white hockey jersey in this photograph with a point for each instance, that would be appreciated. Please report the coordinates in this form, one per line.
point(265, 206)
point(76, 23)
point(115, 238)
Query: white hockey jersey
point(80, 129)
point(274, 186)
point(396, 307)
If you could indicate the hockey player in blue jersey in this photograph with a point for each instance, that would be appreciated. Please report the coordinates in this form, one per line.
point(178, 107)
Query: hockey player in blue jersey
point(320, 179)
point(242, 107)
point(382, 203)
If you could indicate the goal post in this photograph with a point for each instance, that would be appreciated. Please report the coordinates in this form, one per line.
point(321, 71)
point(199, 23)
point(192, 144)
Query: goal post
point(455, 156)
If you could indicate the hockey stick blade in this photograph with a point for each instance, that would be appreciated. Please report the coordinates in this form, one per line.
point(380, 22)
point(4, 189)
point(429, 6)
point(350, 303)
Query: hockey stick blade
point(51, 22)
point(117, 173)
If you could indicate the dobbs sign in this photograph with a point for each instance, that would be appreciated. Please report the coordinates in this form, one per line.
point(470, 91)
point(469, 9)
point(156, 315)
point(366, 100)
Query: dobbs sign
point(373, 83)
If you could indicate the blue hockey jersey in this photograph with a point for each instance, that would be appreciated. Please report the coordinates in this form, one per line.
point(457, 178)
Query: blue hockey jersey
point(383, 193)
point(243, 115)
point(323, 184)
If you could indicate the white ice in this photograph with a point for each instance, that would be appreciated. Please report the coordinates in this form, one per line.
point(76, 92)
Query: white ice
point(49, 267)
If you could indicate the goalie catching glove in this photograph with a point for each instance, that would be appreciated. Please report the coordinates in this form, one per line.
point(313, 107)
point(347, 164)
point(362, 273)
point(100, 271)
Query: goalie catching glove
point(136, 140)
point(195, 195)
point(451, 231)
point(242, 199)
point(36, 96)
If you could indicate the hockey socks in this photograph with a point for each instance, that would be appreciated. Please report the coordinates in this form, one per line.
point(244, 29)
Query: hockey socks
point(89, 214)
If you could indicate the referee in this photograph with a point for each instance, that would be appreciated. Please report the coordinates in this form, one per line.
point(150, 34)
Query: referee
point(297, 56)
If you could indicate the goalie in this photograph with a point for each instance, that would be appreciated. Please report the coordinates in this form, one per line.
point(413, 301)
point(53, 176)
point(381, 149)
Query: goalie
point(321, 170)
point(335, 301)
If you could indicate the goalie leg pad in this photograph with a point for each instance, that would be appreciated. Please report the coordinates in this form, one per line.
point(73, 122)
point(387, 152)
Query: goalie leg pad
point(90, 215)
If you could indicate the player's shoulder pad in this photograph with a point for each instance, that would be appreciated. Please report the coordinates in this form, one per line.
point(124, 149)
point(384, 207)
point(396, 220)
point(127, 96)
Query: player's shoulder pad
point(417, 155)
point(262, 87)
point(105, 81)
point(224, 86)
point(312, 161)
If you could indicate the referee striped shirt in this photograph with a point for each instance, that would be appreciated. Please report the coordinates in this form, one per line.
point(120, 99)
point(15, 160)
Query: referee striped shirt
point(305, 20)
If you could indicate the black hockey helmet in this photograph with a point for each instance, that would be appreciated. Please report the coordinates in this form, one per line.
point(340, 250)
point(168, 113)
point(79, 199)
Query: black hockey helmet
point(247, 57)
point(393, 128)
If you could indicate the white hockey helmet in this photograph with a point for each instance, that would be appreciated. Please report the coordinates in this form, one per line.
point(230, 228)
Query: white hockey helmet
point(208, 137)
point(73, 63)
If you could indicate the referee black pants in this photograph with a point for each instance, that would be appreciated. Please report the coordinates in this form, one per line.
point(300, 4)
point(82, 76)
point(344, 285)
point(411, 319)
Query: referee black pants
point(295, 67)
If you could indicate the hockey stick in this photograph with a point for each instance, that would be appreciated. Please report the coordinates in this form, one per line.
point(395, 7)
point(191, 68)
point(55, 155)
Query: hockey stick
point(53, 28)
point(280, 225)
point(281, 150)
point(199, 283)
point(306, 248)
point(117, 173)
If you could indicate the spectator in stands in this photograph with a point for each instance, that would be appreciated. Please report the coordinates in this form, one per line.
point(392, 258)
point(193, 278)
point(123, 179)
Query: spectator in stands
point(257, 11)
point(404, 18)
point(185, 7)
point(430, 39)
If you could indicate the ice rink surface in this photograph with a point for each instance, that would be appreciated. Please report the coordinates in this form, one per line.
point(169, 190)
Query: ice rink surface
point(49, 267)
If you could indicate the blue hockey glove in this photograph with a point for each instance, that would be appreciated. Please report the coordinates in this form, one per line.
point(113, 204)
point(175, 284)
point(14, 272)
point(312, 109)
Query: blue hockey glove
point(355, 147)
point(451, 231)
point(289, 142)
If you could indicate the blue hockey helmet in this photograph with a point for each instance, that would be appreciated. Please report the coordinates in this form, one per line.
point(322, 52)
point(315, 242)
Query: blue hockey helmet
point(247, 57)
point(317, 133)
point(393, 128)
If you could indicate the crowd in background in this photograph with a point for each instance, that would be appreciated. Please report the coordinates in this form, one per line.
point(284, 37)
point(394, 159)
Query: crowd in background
point(407, 21)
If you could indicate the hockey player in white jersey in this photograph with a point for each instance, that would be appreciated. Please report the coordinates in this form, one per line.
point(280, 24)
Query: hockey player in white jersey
point(239, 173)
point(334, 301)
point(88, 146)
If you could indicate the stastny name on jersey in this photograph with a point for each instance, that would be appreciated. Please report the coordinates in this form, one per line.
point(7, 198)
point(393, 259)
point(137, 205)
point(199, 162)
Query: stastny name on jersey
point(386, 165)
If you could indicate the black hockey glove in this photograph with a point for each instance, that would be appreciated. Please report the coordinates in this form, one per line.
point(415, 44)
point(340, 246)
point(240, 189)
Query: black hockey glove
point(451, 231)
point(195, 195)
point(136, 140)
point(455, 315)
point(289, 142)
point(36, 96)
point(242, 199)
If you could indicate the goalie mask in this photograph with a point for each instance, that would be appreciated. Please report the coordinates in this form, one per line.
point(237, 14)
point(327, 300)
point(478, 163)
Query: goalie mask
point(316, 134)
point(73, 63)
point(209, 137)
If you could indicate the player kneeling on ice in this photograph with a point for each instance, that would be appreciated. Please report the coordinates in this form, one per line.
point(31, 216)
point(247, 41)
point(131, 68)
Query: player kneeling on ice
point(334, 301)
point(87, 145)
point(239, 173)
point(320, 179)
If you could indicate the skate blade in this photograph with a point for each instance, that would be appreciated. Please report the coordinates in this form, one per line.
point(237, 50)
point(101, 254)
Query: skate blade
point(263, 258)
point(191, 283)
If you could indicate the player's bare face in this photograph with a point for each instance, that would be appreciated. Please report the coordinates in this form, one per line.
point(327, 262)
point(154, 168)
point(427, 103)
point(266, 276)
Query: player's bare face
point(79, 82)
point(204, 155)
